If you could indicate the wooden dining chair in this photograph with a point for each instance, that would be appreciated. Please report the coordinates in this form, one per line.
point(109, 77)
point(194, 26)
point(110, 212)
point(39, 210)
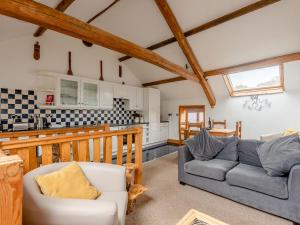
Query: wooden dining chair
point(238, 129)
point(220, 124)
point(193, 132)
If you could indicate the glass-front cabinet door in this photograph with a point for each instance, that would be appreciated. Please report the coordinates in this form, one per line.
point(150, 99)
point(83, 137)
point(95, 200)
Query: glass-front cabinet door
point(68, 92)
point(89, 94)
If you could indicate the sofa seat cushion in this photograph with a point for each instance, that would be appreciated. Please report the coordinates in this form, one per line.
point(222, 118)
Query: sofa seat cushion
point(215, 169)
point(256, 179)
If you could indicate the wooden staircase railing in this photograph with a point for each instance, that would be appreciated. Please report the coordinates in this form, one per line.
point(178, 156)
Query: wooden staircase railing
point(19, 155)
point(75, 146)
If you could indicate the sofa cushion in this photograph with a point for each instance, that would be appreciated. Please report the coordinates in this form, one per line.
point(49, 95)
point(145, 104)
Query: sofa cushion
point(203, 146)
point(247, 151)
point(280, 155)
point(229, 152)
point(256, 179)
point(214, 169)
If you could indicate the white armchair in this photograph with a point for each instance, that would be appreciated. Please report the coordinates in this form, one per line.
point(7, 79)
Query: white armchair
point(108, 209)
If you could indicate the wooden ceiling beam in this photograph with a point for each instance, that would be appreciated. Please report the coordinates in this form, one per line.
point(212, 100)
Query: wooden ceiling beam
point(255, 64)
point(103, 11)
point(165, 81)
point(186, 48)
point(230, 16)
point(237, 68)
point(62, 6)
point(42, 15)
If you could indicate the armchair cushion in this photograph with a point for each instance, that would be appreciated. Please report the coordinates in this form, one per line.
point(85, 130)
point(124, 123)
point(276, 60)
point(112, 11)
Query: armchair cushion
point(67, 182)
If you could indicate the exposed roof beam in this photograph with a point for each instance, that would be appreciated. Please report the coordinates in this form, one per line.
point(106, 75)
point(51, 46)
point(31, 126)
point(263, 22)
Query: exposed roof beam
point(62, 6)
point(170, 80)
point(240, 12)
point(186, 48)
point(88, 44)
point(237, 68)
point(102, 11)
point(33, 12)
point(255, 65)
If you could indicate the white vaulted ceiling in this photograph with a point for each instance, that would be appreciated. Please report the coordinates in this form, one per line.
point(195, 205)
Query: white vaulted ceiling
point(267, 32)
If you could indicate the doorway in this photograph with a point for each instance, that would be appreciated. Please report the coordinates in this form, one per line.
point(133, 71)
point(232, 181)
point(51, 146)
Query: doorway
point(191, 120)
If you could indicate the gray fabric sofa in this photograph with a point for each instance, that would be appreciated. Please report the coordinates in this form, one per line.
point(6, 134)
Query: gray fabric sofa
point(244, 181)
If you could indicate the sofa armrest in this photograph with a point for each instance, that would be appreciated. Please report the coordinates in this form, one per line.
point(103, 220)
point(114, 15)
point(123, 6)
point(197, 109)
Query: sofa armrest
point(184, 155)
point(294, 184)
point(39, 209)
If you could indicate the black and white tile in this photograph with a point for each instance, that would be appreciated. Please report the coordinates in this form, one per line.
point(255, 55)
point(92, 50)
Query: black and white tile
point(21, 104)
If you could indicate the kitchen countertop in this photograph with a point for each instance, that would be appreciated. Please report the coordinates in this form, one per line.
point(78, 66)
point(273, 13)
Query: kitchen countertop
point(79, 126)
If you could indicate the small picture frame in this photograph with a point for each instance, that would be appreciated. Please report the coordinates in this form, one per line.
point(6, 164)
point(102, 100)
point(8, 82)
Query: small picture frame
point(49, 99)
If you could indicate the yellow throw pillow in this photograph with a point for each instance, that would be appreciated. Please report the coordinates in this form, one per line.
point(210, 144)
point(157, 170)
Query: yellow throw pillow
point(289, 131)
point(68, 182)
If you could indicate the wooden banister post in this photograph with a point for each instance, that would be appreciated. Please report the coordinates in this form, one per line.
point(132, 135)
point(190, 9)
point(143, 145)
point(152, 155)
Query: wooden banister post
point(138, 155)
point(11, 190)
point(108, 149)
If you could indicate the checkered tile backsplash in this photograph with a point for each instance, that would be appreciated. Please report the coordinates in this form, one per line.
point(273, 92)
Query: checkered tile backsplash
point(22, 104)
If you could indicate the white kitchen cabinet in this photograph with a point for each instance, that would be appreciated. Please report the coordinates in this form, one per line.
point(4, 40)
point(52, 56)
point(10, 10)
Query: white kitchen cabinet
point(139, 98)
point(151, 113)
point(145, 134)
point(68, 90)
point(135, 98)
point(77, 92)
point(106, 95)
point(121, 91)
point(151, 108)
point(164, 131)
point(89, 94)
point(154, 132)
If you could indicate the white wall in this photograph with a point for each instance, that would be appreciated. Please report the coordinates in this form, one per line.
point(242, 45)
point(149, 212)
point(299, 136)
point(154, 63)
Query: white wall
point(283, 113)
point(18, 68)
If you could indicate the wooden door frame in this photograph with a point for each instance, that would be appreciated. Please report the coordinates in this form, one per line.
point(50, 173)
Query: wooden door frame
point(186, 107)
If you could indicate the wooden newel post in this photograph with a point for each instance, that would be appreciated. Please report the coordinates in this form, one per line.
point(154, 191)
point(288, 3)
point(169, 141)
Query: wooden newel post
point(11, 190)
point(138, 155)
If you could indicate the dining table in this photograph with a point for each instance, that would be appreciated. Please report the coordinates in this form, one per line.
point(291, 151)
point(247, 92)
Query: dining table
point(221, 132)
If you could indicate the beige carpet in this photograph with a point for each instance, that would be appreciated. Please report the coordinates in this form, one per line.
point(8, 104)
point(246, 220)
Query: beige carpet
point(167, 201)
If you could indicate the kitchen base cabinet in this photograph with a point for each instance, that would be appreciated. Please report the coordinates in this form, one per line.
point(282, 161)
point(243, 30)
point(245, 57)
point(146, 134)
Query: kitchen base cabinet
point(154, 132)
point(164, 131)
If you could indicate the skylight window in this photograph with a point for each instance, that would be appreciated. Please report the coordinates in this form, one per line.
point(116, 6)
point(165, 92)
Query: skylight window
point(258, 81)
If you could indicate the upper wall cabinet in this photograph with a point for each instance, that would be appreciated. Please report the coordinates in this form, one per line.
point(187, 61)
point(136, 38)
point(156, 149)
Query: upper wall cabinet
point(68, 90)
point(75, 92)
point(121, 91)
point(135, 98)
point(106, 95)
point(89, 94)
